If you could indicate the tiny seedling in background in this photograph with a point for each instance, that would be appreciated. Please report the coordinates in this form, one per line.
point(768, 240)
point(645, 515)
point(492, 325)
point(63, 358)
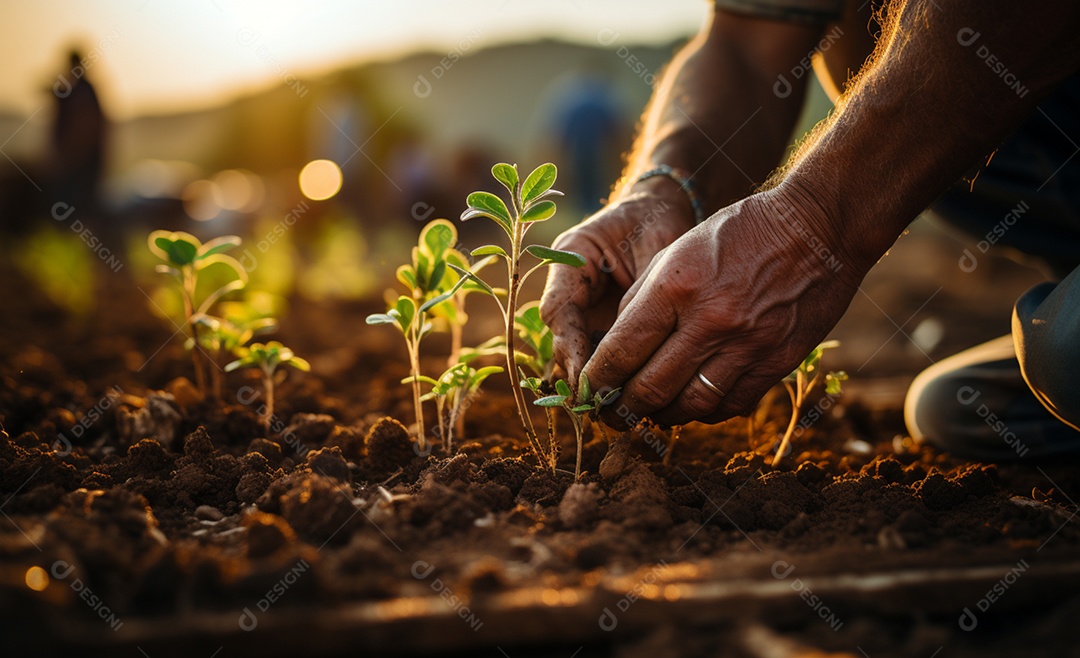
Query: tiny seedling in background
point(267, 357)
point(587, 403)
point(433, 270)
point(453, 392)
point(530, 203)
point(799, 384)
point(410, 313)
point(237, 325)
point(185, 257)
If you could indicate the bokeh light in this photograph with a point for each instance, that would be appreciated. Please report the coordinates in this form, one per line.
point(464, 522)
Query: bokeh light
point(240, 190)
point(320, 179)
point(37, 579)
point(202, 200)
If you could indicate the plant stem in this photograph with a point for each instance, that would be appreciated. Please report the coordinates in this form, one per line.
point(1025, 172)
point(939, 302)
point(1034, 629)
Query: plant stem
point(553, 443)
point(455, 341)
point(440, 408)
point(578, 430)
point(796, 394)
point(414, 362)
point(457, 425)
point(511, 369)
point(268, 400)
point(188, 287)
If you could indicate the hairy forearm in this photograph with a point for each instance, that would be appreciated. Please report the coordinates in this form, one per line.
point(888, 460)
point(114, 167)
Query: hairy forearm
point(927, 110)
point(714, 113)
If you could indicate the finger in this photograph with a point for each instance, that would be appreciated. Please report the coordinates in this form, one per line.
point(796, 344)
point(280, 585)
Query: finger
point(698, 400)
point(669, 372)
point(635, 287)
point(637, 333)
point(742, 399)
point(567, 296)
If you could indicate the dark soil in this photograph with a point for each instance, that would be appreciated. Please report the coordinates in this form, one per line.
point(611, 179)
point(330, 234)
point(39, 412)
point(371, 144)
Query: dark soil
point(169, 509)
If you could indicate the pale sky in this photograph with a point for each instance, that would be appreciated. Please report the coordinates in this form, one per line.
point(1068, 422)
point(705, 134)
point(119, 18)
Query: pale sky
point(155, 56)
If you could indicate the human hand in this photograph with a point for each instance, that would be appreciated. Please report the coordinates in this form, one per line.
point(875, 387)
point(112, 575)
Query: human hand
point(741, 299)
point(618, 243)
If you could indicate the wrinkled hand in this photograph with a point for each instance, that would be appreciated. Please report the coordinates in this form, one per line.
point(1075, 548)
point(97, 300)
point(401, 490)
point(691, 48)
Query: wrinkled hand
point(742, 298)
point(618, 243)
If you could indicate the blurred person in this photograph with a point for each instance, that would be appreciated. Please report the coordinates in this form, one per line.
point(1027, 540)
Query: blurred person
point(587, 128)
point(79, 133)
point(711, 292)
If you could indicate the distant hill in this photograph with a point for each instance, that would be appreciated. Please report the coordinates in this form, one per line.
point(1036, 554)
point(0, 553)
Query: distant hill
point(498, 97)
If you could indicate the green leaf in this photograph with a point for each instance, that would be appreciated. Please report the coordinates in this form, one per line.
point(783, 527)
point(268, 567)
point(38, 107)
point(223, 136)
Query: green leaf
point(563, 388)
point(380, 318)
point(582, 408)
point(227, 261)
point(539, 181)
point(556, 255)
point(298, 363)
point(486, 203)
point(424, 379)
point(539, 212)
point(407, 276)
point(507, 175)
point(834, 382)
point(404, 310)
point(438, 236)
point(584, 390)
point(610, 397)
point(489, 250)
point(435, 301)
point(437, 274)
point(550, 401)
point(218, 245)
point(179, 252)
point(470, 277)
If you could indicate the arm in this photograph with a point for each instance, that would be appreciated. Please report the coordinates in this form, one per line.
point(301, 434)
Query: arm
point(933, 103)
point(717, 92)
point(781, 266)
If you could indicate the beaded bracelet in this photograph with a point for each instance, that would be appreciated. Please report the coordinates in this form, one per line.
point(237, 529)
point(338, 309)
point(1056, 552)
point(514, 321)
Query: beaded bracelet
point(683, 179)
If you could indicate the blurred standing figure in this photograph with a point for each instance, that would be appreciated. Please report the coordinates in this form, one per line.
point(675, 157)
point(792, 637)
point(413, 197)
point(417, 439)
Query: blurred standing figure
point(588, 129)
point(77, 158)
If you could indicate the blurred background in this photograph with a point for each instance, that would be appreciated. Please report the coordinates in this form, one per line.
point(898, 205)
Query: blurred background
point(327, 133)
point(332, 126)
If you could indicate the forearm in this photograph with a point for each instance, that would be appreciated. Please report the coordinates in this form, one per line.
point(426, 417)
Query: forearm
point(714, 113)
point(926, 111)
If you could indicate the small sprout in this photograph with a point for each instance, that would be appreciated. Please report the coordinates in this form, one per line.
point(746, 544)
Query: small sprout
point(185, 257)
point(267, 357)
point(537, 335)
point(587, 403)
point(239, 323)
point(431, 284)
point(453, 392)
point(529, 203)
point(799, 384)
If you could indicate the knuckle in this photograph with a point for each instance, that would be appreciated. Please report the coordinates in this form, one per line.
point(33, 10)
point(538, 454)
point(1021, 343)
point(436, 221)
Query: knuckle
point(648, 395)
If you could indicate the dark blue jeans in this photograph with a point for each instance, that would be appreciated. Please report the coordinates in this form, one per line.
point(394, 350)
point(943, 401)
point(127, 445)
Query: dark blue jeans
point(1018, 396)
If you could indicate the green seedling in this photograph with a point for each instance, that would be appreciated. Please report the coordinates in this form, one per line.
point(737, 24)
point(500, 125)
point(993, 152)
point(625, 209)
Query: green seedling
point(238, 324)
point(799, 384)
point(424, 278)
point(530, 203)
point(433, 270)
point(185, 257)
point(453, 392)
point(267, 357)
point(586, 404)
